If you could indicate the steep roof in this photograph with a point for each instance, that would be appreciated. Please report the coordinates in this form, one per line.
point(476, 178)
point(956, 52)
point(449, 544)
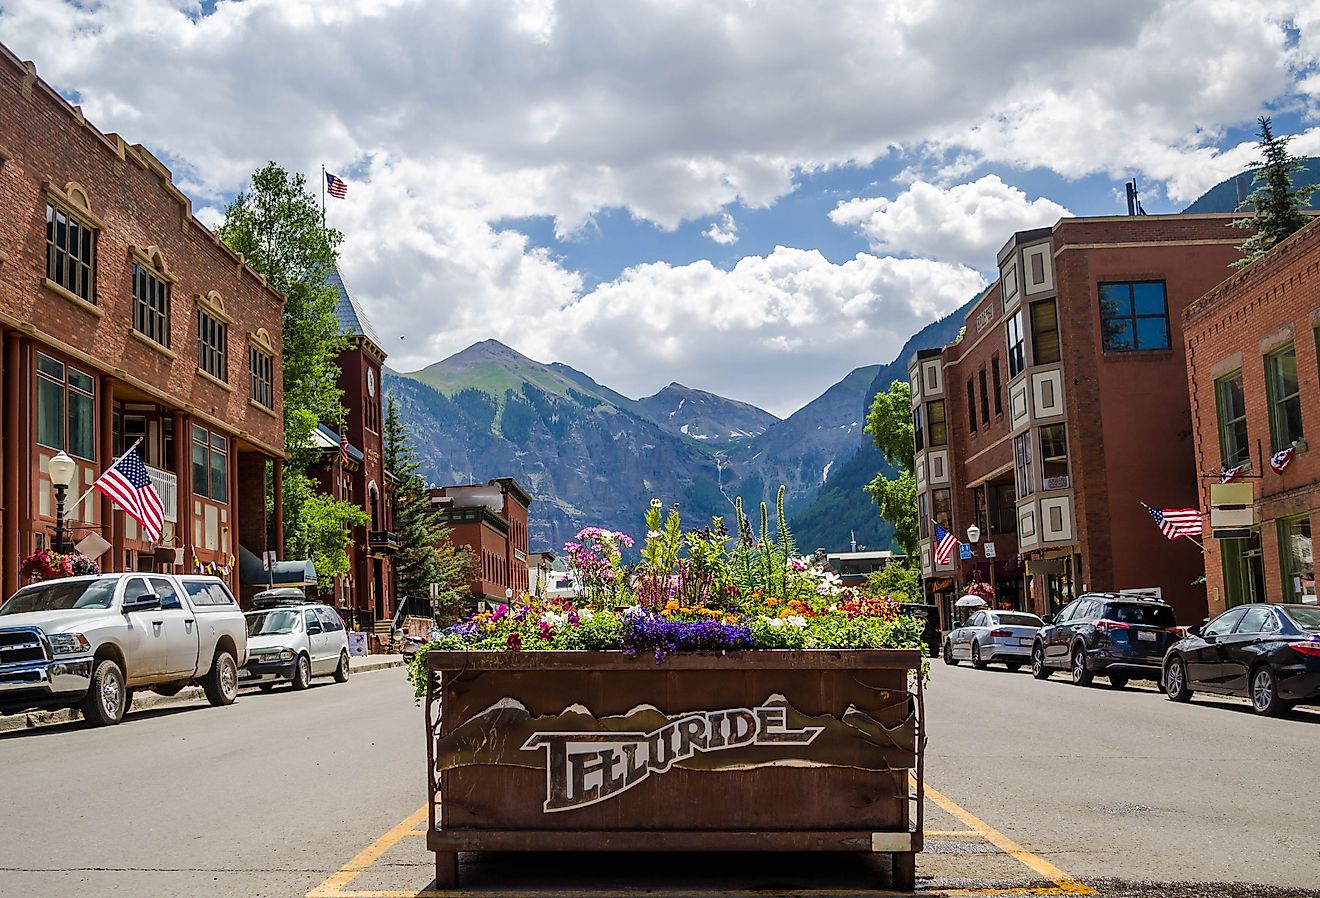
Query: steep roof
point(352, 319)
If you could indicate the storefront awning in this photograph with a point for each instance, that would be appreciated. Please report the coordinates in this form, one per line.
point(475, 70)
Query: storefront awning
point(285, 573)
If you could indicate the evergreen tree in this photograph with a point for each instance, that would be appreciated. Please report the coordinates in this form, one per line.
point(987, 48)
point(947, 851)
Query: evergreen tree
point(1277, 209)
point(276, 224)
point(889, 422)
point(426, 554)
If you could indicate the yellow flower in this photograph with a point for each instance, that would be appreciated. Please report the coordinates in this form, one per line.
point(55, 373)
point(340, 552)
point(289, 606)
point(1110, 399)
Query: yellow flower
point(772, 601)
point(490, 627)
point(671, 605)
point(787, 612)
point(730, 619)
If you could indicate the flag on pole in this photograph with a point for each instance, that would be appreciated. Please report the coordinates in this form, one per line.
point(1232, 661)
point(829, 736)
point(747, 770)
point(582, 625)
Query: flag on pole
point(1228, 475)
point(945, 543)
point(343, 448)
point(1176, 522)
point(336, 186)
point(1280, 459)
point(129, 486)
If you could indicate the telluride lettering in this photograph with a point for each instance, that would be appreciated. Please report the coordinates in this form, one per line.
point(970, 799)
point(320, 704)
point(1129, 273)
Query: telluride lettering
point(584, 768)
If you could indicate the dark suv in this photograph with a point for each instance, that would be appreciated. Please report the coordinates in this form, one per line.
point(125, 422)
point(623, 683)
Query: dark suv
point(1118, 636)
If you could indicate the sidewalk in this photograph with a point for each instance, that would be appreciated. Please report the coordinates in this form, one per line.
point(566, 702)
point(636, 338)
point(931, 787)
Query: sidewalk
point(144, 699)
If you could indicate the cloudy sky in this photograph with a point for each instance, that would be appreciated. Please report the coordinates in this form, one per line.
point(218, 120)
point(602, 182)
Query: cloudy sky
point(750, 197)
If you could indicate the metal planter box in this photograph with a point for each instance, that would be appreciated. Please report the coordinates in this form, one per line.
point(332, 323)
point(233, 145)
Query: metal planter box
point(752, 751)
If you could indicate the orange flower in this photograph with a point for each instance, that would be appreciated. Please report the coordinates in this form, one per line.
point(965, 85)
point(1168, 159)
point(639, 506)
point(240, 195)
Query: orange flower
point(772, 601)
point(787, 612)
point(730, 619)
point(671, 605)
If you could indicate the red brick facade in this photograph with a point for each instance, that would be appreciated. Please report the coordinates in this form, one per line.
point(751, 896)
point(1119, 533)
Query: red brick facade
point(1238, 332)
point(53, 162)
point(490, 519)
point(1084, 432)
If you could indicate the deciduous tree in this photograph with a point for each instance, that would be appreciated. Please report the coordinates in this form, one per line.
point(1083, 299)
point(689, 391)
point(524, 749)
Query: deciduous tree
point(889, 422)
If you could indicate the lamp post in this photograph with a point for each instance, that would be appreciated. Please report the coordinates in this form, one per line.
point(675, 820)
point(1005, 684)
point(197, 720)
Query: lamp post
point(61, 469)
point(974, 537)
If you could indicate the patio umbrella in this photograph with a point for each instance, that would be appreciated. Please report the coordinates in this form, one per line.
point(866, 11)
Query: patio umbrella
point(969, 601)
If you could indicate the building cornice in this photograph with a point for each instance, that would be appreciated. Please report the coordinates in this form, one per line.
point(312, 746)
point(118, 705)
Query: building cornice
point(1251, 276)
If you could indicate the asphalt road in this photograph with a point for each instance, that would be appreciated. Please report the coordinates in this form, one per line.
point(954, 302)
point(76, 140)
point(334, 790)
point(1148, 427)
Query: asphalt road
point(262, 798)
point(1121, 791)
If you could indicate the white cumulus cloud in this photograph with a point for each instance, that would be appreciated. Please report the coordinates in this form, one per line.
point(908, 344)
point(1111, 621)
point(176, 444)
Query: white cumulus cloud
point(724, 231)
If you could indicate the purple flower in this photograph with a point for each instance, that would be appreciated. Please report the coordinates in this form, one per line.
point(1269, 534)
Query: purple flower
point(644, 631)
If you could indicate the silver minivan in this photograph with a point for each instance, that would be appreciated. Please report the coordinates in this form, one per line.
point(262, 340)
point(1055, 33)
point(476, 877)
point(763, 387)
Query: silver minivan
point(294, 642)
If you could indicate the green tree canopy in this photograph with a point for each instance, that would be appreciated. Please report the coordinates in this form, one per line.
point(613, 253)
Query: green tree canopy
point(1277, 208)
point(889, 422)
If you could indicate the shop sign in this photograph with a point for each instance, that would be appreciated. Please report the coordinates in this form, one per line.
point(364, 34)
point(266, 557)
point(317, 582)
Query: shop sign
point(585, 768)
point(1232, 511)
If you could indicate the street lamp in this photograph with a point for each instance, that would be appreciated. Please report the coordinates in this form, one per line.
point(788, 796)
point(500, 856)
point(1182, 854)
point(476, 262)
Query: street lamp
point(61, 469)
point(974, 537)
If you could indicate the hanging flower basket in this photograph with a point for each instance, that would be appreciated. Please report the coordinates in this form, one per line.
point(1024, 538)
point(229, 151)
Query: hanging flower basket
point(45, 564)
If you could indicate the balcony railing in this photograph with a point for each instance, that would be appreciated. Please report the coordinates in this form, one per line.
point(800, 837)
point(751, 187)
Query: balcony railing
point(167, 487)
point(386, 541)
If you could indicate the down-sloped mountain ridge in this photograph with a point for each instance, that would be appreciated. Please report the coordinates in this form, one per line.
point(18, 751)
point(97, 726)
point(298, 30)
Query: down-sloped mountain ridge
point(590, 455)
point(703, 416)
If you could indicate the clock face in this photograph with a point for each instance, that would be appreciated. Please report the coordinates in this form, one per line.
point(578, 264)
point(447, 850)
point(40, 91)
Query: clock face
point(371, 382)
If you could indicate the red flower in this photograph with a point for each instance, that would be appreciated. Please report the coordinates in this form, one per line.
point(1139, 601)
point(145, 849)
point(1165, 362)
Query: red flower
point(514, 642)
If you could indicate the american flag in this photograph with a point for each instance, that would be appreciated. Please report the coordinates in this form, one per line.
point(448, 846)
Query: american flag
point(945, 543)
point(336, 185)
point(1228, 475)
point(128, 485)
point(1176, 522)
point(343, 448)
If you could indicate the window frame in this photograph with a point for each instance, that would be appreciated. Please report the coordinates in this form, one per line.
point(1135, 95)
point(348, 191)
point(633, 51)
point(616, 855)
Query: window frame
point(261, 390)
point(985, 397)
point(67, 387)
point(931, 423)
point(1286, 557)
point(58, 256)
point(1133, 317)
point(208, 443)
point(998, 384)
point(150, 319)
point(1016, 341)
point(1278, 439)
point(1045, 459)
point(918, 431)
point(1023, 475)
point(1224, 423)
point(212, 355)
point(1040, 336)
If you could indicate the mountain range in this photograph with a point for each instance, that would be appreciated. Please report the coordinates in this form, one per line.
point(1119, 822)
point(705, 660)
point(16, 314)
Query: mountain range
point(591, 456)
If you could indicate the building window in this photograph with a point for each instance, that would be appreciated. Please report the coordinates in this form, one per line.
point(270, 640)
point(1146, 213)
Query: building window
point(1233, 448)
point(1244, 571)
point(923, 529)
point(1017, 359)
point(1044, 332)
point(1298, 567)
point(212, 346)
point(918, 435)
point(1285, 401)
point(1022, 465)
point(985, 400)
point(66, 408)
point(1134, 316)
point(939, 432)
point(998, 385)
point(1054, 457)
point(1003, 508)
point(971, 404)
point(70, 253)
point(941, 506)
point(263, 377)
point(210, 461)
point(151, 305)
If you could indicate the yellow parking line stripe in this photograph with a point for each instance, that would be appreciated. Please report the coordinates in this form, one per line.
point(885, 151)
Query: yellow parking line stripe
point(332, 887)
point(952, 832)
point(1066, 884)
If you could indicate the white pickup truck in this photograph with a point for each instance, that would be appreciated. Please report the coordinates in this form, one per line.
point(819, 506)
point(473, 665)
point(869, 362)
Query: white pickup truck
point(88, 642)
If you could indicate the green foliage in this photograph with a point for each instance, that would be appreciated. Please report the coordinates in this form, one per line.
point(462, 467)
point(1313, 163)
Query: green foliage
point(1277, 209)
point(889, 423)
point(479, 405)
point(517, 419)
point(276, 225)
point(838, 631)
point(326, 529)
point(900, 582)
point(426, 553)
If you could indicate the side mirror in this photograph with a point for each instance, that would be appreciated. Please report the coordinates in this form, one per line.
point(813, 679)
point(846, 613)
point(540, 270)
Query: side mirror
point(313, 628)
point(1048, 619)
point(147, 601)
point(1194, 630)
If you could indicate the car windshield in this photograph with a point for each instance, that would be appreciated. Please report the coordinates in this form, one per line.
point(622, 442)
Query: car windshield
point(61, 595)
point(1306, 618)
point(1141, 615)
point(1019, 620)
point(273, 623)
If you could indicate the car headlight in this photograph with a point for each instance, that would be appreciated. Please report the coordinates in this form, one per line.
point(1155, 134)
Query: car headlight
point(68, 643)
point(286, 654)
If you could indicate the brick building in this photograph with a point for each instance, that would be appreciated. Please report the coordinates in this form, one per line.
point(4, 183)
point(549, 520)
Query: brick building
point(1254, 381)
point(1060, 411)
point(490, 519)
point(353, 469)
point(125, 319)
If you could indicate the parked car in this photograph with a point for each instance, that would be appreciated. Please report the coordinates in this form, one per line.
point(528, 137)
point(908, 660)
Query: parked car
point(1110, 634)
point(1267, 653)
point(929, 616)
point(293, 641)
point(89, 642)
point(987, 636)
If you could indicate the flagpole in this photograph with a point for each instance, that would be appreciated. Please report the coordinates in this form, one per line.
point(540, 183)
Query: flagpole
point(323, 195)
point(1193, 540)
point(71, 508)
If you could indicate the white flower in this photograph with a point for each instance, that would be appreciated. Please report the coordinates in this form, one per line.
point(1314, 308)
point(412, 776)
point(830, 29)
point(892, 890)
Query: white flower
point(775, 622)
point(585, 614)
point(796, 620)
point(553, 620)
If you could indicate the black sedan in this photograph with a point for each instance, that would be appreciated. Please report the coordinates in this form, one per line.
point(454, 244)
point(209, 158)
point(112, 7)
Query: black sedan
point(1267, 653)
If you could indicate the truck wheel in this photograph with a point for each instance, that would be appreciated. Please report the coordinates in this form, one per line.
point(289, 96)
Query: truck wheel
point(341, 672)
point(221, 683)
point(302, 673)
point(106, 700)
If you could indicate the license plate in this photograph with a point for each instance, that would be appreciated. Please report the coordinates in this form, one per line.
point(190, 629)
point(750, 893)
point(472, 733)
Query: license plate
point(1145, 636)
point(1024, 640)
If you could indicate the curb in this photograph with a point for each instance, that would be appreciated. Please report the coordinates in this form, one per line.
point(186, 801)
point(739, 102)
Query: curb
point(145, 699)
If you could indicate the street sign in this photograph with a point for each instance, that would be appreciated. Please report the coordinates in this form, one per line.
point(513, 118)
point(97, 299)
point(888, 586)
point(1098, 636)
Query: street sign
point(435, 591)
point(964, 550)
point(989, 550)
point(268, 561)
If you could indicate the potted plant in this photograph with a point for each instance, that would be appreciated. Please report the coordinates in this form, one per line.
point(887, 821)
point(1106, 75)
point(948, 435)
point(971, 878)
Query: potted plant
point(45, 564)
point(719, 694)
